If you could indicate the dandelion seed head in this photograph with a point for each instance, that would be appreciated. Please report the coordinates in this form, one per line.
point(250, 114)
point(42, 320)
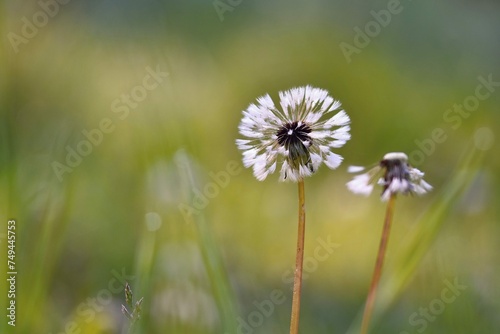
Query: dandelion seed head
point(393, 173)
point(395, 156)
point(299, 134)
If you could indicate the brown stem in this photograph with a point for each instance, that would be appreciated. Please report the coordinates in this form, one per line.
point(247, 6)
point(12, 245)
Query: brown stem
point(297, 282)
point(370, 300)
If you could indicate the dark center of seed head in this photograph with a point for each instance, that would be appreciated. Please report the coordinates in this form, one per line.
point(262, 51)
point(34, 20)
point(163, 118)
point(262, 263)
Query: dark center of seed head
point(292, 136)
point(395, 168)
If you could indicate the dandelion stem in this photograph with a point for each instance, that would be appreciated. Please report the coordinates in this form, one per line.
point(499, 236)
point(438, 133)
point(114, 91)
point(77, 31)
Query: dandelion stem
point(297, 282)
point(370, 300)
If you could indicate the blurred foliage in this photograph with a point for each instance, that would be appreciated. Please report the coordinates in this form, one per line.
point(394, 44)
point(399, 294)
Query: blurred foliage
point(119, 212)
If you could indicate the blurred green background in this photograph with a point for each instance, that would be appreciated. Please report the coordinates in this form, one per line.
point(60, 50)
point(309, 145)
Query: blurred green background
point(128, 206)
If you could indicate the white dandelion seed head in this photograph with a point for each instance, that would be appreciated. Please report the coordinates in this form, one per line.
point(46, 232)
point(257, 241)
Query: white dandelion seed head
point(360, 184)
point(393, 173)
point(299, 134)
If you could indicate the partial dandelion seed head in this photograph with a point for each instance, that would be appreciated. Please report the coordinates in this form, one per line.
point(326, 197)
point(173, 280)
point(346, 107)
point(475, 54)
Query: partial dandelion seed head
point(393, 173)
point(297, 134)
point(395, 156)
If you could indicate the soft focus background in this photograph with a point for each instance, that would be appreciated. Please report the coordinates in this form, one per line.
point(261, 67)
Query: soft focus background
point(116, 174)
